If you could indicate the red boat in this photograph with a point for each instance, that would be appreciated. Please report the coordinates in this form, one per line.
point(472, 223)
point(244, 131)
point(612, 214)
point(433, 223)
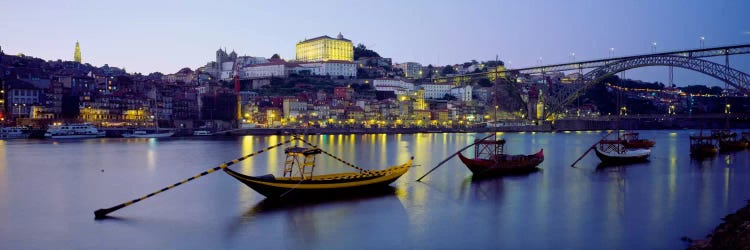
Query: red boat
point(728, 140)
point(703, 146)
point(745, 137)
point(489, 160)
point(631, 140)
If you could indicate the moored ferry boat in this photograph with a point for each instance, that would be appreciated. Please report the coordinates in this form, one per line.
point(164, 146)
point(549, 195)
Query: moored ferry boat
point(202, 132)
point(73, 131)
point(14, 133)
point(147, 134)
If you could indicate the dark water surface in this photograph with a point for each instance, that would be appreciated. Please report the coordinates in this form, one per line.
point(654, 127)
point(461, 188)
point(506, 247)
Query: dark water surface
point(49, 190)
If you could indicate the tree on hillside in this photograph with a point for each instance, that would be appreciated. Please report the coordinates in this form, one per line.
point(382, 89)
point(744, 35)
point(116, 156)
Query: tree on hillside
point(361, 51)
point(448, 69)
point(427, 73)
point(484, 82)
point(275, 56)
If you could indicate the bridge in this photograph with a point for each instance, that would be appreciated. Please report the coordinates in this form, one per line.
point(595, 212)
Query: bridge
point(560, 95)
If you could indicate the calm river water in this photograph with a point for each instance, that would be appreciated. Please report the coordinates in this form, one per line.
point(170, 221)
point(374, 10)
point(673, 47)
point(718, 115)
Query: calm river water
point(49, 190)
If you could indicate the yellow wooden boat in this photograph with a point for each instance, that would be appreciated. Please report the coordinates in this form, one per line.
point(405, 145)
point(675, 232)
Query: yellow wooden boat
point(298, 180)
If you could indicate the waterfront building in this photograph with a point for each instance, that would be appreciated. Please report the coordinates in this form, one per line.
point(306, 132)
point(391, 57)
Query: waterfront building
point(325, 48)
point(20, 96)
point(354, 114)
point(2, 98)
point(411, 70)
point(293, 107)
point(77, 53)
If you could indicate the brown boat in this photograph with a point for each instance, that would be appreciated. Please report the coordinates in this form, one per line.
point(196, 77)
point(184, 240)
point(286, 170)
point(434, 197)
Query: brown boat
point(631, 140)
point(489, 160)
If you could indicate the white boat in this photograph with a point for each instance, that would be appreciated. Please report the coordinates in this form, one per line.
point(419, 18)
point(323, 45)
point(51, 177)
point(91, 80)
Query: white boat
point(201, 132)
point(613, 151)
point(14, 133)
point(146, 134)
point(73, 131)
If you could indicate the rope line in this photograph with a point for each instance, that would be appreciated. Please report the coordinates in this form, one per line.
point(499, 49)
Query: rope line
point(361, 170)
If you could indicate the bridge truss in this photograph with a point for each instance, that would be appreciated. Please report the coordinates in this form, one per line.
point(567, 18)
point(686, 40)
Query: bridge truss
point(560, 95)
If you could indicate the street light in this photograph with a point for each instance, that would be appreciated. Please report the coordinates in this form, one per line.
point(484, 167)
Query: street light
point(19, 113)
point(496, 106)
point(611, 52)
point(702, 38)
point(573, 55)
point(653, 47)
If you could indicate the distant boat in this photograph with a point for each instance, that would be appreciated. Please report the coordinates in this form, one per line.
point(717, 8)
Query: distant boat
point(490, 160)
point(728, 140)
point(157, 133)
point(305, 185)
point(14, 133)
point(703, 146)
point(73, 131)
point(631, 140)
point(147, 134)
point(615, 152)
point(625, 149)
point(202, 132)
point(745, 137)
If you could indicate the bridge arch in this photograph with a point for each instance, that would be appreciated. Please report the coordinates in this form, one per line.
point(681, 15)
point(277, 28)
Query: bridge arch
point(566, 95)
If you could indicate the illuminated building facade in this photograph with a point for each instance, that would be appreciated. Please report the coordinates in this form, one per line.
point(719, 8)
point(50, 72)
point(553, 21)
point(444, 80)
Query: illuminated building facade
point(325, 48)
point(77, 53)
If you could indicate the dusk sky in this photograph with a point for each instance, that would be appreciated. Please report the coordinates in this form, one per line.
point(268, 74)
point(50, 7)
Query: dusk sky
point(164, 36)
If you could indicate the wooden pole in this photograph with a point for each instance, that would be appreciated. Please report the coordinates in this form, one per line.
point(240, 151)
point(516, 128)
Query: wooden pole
point(102, 213)
point(453, 155)
point(587, 151)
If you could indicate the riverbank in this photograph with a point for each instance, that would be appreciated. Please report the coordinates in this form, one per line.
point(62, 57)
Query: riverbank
point(734, 233)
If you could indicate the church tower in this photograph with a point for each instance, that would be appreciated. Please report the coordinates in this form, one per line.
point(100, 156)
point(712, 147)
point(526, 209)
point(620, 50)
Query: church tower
point(77, 53)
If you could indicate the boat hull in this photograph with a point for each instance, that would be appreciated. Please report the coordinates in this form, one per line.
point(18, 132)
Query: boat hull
point(74, 136)
point(152, 135)
point(704, 150)
point(323, 186)
point(630, 156)
point(732, 145)
point(487, 168)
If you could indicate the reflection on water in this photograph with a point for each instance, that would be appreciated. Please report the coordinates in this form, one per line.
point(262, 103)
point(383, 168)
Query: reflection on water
point(51, 188)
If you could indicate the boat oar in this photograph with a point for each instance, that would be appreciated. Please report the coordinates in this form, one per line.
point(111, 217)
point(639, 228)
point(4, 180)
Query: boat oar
point(453, 155)
point(590, 148)
point(102, 213)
